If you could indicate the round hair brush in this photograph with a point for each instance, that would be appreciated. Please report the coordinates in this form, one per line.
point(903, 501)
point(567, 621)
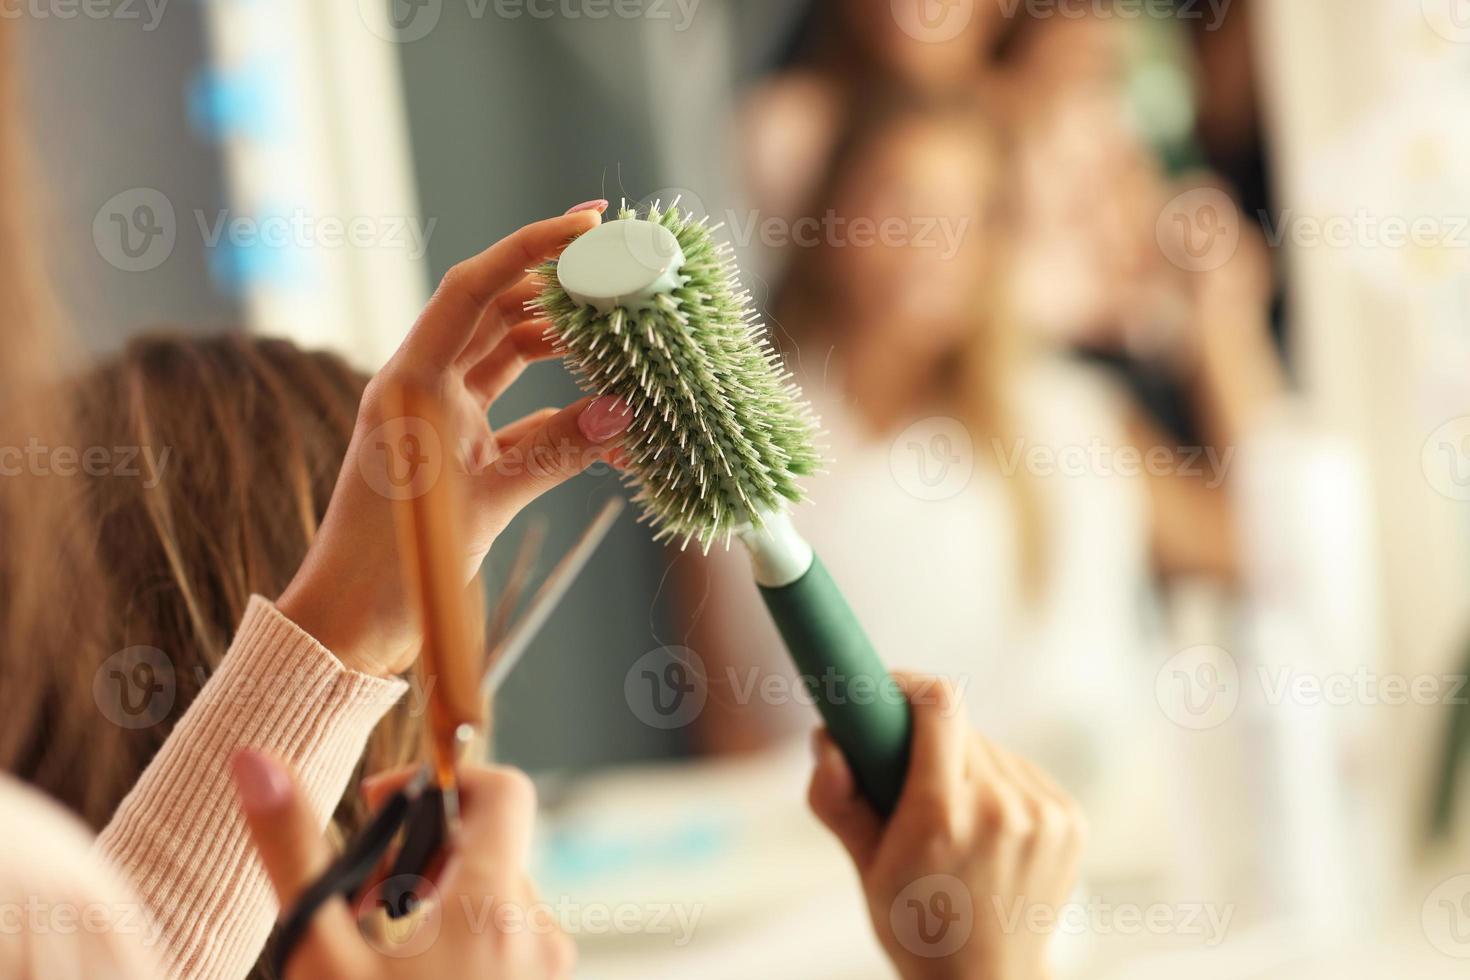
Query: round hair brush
point(648, 309)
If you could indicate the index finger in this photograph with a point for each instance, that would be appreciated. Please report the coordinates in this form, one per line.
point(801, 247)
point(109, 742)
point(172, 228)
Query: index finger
point(448, 322)
point(939, 756)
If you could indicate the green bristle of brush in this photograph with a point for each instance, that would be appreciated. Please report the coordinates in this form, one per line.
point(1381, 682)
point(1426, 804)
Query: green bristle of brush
point(720, 433)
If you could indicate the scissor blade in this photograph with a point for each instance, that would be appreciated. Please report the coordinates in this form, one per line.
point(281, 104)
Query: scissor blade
point(508, 652)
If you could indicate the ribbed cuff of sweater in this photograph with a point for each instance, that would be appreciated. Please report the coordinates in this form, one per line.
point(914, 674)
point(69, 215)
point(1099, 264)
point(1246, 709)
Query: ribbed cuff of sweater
point(179, 837)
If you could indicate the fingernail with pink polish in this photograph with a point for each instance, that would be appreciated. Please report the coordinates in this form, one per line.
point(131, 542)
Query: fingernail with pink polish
point(603, 418)
point(261, 782)
point(599, 205)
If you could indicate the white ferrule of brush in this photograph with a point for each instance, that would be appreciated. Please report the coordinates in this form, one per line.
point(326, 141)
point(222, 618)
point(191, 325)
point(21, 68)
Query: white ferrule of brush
point(778, 555)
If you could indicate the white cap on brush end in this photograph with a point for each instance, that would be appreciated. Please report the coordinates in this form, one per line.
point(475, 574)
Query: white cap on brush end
point(778, 555)
point(623, 263)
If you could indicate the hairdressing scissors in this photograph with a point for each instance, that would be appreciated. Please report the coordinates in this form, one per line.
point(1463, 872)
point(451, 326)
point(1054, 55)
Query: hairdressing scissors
point(423, 816)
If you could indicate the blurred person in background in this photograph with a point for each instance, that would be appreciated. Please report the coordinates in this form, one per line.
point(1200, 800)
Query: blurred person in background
point(950, 541)
point(845, 53)
point(1095, 274)
point(927, 361)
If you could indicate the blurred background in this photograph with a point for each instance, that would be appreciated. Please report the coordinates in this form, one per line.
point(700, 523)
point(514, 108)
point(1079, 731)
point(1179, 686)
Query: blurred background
point(1140, 331)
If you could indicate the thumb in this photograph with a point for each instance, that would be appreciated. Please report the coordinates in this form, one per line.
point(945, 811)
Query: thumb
point(554, 450)
point(288, 838)
point(833, 797)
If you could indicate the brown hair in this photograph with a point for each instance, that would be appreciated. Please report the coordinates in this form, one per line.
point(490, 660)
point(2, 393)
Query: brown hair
point(975, 378)
point(235, 445)
point(50, 580)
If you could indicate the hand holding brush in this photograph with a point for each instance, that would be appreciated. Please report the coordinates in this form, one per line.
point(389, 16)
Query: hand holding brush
point(647, 309)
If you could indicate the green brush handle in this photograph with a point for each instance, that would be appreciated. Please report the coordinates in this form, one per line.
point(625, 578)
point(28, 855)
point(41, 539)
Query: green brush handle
point(863, 707)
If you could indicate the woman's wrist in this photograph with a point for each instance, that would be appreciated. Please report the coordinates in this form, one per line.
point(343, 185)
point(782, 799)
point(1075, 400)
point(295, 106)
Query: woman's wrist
point(337, 624)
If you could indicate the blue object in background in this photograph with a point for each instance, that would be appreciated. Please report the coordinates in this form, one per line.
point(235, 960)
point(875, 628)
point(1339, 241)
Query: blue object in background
point(246, 102)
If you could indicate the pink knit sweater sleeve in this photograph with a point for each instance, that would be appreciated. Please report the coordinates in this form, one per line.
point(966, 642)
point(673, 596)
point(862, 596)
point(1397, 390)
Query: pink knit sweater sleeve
point(178, 837)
